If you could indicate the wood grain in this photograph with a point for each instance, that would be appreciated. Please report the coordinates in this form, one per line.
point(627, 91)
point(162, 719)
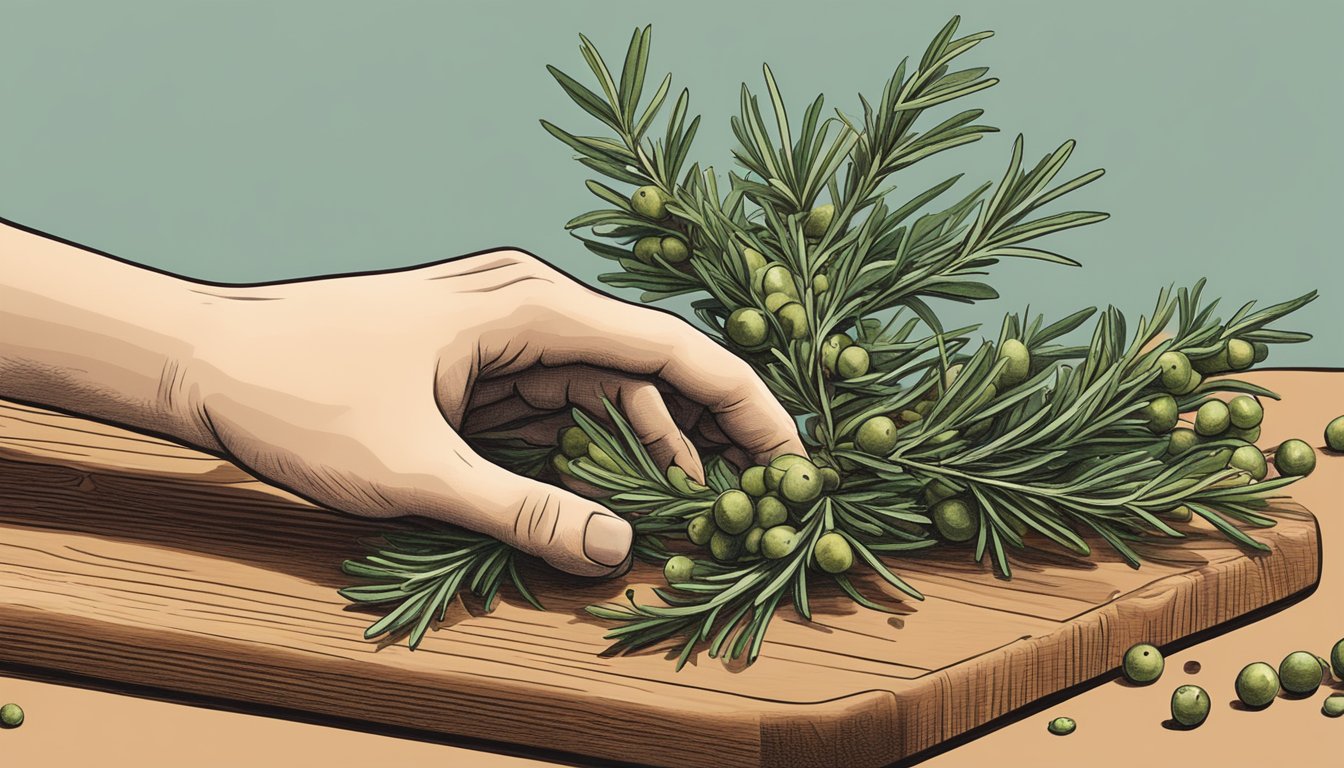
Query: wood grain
point(134, 560)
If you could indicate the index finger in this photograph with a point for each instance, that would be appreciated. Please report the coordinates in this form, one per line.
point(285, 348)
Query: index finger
point(652, 342)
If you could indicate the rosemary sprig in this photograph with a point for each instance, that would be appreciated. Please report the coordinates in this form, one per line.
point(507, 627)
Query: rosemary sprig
point(422, 572)
point(1066, 450)
point(1058, 458)
point(1061, 455)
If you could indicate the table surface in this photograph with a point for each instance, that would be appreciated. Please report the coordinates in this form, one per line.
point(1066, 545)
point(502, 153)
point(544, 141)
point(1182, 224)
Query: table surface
point(116, 726)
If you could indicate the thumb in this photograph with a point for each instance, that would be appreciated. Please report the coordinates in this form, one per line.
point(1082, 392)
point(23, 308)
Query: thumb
point(568, 531)
point(461, 487)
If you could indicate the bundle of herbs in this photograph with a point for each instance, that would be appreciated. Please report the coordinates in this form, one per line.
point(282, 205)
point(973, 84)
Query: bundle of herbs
point(917, 435)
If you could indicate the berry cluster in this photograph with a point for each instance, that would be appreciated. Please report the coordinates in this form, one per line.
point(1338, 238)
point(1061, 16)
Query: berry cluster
point(1237, 420)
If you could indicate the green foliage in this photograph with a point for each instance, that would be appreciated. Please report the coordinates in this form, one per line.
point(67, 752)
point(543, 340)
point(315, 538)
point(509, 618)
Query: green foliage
point(1059, 458)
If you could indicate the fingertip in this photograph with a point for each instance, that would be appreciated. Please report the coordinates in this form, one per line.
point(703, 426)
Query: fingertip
point(695, 472)
point(608, 540)
point(691, 463)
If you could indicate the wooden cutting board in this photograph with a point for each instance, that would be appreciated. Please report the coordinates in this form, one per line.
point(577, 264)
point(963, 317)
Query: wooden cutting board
point(132, 560)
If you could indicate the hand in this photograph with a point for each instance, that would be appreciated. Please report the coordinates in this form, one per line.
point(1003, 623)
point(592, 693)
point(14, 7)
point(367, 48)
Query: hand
point(357, 392)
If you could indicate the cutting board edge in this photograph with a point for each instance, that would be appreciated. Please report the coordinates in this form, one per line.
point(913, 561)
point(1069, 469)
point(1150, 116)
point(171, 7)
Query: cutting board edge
point(907, 720)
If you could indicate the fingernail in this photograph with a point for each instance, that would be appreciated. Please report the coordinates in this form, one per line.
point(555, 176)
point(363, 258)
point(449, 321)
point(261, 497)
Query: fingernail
point(606, 540)
point(694, 472)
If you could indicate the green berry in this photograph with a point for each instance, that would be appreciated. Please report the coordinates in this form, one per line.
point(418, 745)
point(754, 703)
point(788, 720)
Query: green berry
point(818, 220)
point(1337, 659)
point(733, 512)
point(754, 260)
point(936, 491)
point(821, 284)
point(700, 530)
point(603, 459)
point(1261, 351)
point(1175, 367)
point(725, 547)
point(746, 327)
point(951, 374)
point(1294, 457)
point(677, 477)
point(1333, 706)
point(1245, 412)
point(778, 279)
point(770, 511)
point(648, 249)
point(776, 300)
point(830, 479)
point(779, 541)
point(1018, 366)
point(1061, 726)
point(830, 350)
point(675, 250)
point(1191, 384)
point(987, 394)
point(1181, 440)
point(753, 481)
point(1181, 514)
point(561, 464)
point(833, 553)
point(1250, 460)
point(1212, 418)
point(1189, 705)
point(1248, 435)
point(649, 202)
point(1162, 414)
point(677, 569)
point(1300, 673)
point(1143, 664)
point(852, 362)
point(793, 319)
point(1240, 354)
point(773, 475)
point(876, 436)
point(11, 716)
point(1212, 364)
point(752, 541)
point(1334, 434)
point(1257, 685)
point(955, 520)
point(573, 442)
point(801, 483)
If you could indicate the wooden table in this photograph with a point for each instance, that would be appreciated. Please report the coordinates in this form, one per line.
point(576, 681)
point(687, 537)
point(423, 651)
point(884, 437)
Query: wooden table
point(55, 712)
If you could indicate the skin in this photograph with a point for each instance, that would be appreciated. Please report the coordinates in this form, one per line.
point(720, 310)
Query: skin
point(359, 393)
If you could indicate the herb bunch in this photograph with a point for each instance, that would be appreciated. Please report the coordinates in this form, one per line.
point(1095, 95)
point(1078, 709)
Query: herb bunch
point(1022, 441)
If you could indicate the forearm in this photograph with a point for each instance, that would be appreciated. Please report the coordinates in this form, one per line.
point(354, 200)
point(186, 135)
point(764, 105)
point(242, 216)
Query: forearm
point(90, 335)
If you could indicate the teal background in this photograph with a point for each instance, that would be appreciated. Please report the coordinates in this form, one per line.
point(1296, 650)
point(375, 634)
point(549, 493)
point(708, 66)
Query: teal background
point(244, 141)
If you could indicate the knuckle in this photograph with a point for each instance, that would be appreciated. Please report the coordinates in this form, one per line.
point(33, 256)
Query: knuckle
point(537, 520)
point(520, 257)
point(531, 270)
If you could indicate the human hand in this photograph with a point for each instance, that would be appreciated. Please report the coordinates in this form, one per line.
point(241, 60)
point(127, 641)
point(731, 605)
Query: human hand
point(357, 392)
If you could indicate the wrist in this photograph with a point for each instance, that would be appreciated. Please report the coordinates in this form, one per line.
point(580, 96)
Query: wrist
point(87, 334)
